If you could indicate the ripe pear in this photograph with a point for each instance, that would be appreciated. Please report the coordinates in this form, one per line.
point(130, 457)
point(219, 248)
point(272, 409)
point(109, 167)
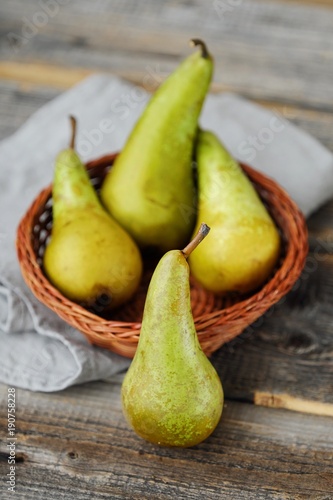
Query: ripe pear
point(90, 258)
point(150, 189)
point(171, 394)
point(245, 243)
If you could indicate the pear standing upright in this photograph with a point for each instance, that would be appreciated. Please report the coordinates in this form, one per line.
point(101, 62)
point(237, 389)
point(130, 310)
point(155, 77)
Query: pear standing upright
point(171, 394)
point(150, 189)
point(245, 243)
point(90, 258)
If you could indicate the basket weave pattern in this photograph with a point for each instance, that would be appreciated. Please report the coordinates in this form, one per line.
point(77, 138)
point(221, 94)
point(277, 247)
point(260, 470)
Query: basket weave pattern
point(217, 320)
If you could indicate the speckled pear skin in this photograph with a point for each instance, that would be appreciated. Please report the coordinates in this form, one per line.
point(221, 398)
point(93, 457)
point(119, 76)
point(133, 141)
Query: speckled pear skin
point(150, 189)
point(171, 394)
point(244, 244)
point(90, 258)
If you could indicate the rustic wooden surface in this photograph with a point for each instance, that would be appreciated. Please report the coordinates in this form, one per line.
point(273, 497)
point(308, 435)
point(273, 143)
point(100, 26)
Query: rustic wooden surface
point(75, 444)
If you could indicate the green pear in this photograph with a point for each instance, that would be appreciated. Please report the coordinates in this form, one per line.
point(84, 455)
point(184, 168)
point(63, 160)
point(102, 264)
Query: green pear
point(150, 189)
point(171, 394)
point(245, 243)
point(90, 258)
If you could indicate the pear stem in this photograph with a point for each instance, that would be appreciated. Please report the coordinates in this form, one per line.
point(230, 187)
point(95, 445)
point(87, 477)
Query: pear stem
point(201, 234)
point(73, 129)
point(204, 51)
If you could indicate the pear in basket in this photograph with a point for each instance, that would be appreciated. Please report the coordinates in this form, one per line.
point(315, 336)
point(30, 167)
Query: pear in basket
point(90, 258)
point(245, 244)
point(150, 189)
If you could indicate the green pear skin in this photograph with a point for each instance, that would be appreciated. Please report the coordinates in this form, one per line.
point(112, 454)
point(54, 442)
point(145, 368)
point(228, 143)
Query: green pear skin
point(245, 244)
point(90, 258)
point(150, 189)
point(171, 394)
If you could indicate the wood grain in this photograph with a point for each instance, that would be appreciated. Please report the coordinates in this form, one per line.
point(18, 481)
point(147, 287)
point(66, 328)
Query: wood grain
point(287, 354)
point(317, 3)
point(261, 49)
point(76, 444)
point(18, 102)
point(42, 74)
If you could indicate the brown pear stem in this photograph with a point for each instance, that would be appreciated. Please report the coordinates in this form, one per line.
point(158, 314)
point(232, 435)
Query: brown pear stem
point(73, 135)
point(201, 234)
point(204, 51)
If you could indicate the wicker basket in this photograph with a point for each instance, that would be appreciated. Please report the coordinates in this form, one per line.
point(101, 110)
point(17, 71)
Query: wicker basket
point(217, 320)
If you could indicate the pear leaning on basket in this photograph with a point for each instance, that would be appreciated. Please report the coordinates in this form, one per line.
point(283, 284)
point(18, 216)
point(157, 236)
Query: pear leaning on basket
point(90, 258)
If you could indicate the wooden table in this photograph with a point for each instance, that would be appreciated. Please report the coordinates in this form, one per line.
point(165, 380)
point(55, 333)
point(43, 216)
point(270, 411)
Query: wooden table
point(275, 439)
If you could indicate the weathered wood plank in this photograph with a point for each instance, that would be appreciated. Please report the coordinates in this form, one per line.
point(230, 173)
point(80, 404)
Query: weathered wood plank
point(76, 444)
point(18, 101)
point(286, 358)
point(261, 49)
point(317, 3)
point(47, 75)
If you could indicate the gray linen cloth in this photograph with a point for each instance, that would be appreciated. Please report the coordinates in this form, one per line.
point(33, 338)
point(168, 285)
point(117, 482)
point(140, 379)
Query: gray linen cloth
point(39, 351)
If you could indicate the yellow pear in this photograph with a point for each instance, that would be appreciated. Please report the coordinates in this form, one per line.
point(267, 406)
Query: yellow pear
point(245, 244)
point(90, 258)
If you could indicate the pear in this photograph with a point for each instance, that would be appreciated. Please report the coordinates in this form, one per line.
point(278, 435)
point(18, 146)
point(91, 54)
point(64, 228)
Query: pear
point(245, 243)
point(150, 189)
point(171, 394)
point(90, 258)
